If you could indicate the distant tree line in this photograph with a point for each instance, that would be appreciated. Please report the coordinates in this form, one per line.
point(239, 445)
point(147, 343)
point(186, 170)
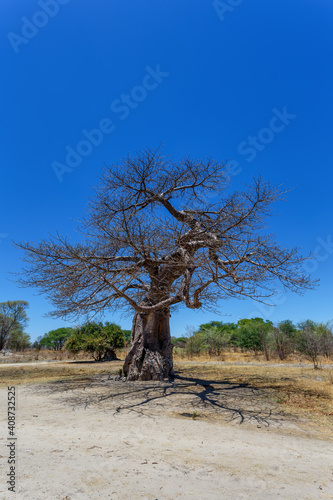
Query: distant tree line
point(95, 338)
point(101, 340)
point(308, 338)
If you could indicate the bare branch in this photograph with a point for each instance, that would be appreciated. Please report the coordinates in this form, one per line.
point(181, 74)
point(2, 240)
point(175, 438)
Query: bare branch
point(152, 241)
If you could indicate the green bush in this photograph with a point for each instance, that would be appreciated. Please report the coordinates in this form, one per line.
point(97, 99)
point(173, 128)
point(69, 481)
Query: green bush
point(254, 334)
point(195, 345)
point(284, 338)
point(215, 339)
point(98, 340)
point(19, 340)
point(55, 339)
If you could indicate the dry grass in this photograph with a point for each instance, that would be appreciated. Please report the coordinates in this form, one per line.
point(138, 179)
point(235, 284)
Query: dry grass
point(40, 373)
point(231, 356)
point(179, 354)
point(301, 391)
point(44, 355)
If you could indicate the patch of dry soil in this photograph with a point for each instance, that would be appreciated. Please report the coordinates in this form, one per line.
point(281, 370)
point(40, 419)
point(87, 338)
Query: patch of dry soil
point(106, 439)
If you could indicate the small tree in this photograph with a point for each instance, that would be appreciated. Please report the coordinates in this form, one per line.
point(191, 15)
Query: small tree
point(37, 343)
point(19, 340)
point(55, 339)
point(311, 340)
point(98, 340)
point(13, 317)
point(325, 330)
point(283, 338)
point(254, 335)
point(215, 338)
point(195, 345)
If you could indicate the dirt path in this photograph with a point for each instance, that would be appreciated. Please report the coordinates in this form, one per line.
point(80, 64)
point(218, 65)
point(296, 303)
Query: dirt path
point(118, 440)
point(33, 363)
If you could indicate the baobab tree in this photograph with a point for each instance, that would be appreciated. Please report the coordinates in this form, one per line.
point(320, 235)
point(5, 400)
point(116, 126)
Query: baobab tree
point(152, 241)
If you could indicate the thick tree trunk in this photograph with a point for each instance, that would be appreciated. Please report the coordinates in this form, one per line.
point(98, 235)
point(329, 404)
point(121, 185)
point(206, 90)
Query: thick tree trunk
point(150, 356)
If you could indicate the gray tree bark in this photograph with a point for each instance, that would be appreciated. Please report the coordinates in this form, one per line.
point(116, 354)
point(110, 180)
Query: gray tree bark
point(150, 356)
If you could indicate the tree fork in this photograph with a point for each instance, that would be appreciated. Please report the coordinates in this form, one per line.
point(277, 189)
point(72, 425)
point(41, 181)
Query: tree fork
point(153, 240)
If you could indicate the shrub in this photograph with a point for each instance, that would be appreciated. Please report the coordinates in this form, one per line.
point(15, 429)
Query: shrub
point(55, 339)
point(98, 340)
point(314, 340)
point(284, 338)
point(253, 334)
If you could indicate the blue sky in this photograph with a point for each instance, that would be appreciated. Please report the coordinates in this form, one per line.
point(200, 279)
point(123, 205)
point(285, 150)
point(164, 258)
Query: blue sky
point(206, 78)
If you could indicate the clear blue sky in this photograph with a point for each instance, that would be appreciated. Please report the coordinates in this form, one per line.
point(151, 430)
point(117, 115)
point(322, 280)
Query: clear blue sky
point(204, 77)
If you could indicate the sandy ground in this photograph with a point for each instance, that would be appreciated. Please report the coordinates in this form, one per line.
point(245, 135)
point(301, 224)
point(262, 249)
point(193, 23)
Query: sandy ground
point(118, 440)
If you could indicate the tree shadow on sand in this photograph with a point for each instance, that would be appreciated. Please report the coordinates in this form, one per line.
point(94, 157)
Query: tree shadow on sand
point(182, 397)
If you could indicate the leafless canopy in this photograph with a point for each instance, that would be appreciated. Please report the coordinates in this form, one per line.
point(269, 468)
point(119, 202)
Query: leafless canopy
point(152, 240)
